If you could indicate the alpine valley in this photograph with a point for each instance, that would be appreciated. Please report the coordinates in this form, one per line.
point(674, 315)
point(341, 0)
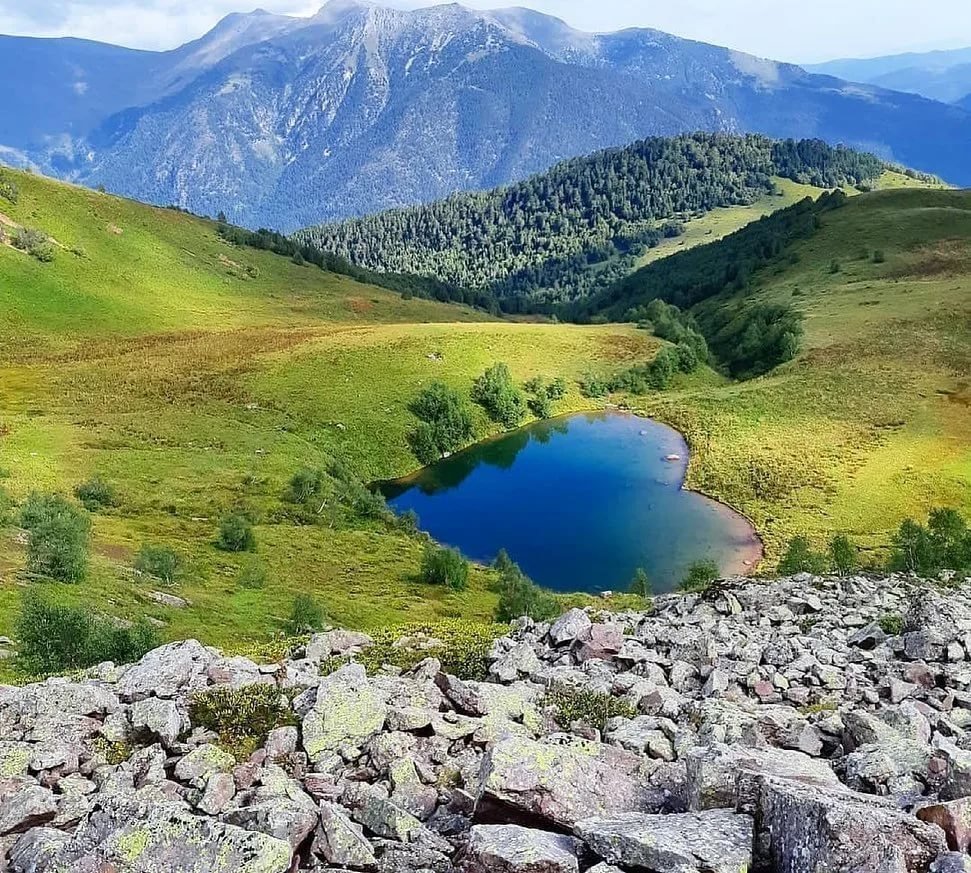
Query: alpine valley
point(287, 122)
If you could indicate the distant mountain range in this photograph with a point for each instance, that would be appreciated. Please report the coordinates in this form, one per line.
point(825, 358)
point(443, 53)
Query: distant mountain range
point(288, 122)
point(941, 75)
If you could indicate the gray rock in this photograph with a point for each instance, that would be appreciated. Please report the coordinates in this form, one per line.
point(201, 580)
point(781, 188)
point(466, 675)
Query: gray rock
point(281, 742)
point(570, 627)
point(161, 719)
point(564, 783)
point(339, 841)
point(805, 828)
point(348, 709)
point(197, 766)
point(35, 850)
point(166, 671)
point(514, 849)
point(289, 818)
point(220, 790)
point(336, 643)
point(717, 841)
point(951, 862)
point(25, 808)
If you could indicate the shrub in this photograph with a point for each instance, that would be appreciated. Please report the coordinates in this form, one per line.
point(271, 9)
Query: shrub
point(541, 406)
point(640, 585)
point(163, 563)
point(444, 567)
point(356, 496)
point(236, 534)
point(304, 486)
point(34, 242)
point(593, 387)
point(892, 624)
point(59, 533)
point(96, 494)
point(252, 574)
point(462, 647)
point(242, 717)
point(54, 638)
point(424, 444)
point(944, 544)
point(800, 558)
point(306, 615)
point(879, 257)
point(700, 576)
point(496, 392)
point(446, 423)
point(519, 595)
point(8, 190)
point(593, 708)
point(843, 555)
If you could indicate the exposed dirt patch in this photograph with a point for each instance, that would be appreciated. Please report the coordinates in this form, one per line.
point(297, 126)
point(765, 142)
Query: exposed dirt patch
point(944, 258)
point(113, 228)
point(359, 305)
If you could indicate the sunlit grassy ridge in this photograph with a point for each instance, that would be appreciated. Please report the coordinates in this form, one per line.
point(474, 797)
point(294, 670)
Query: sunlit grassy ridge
point(873, 422)
point(198, 377)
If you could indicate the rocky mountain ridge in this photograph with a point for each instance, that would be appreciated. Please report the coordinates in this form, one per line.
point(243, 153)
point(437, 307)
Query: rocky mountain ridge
point(805, 724)
point(288, 122)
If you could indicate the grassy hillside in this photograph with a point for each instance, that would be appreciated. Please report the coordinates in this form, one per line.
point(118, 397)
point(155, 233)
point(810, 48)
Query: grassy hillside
point(872, 422)
point(198, 377)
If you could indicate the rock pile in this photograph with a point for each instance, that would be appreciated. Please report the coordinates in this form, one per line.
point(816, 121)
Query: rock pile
point(808, 724)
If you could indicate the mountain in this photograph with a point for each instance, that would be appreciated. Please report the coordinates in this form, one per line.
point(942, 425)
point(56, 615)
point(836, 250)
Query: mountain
point(563, 234)
point(287, 122)
point(940, 75)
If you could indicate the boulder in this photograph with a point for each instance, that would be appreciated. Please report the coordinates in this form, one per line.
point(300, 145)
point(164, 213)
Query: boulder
point(562, 784)
point(951, 862)
point(954, 819)
point(160, 719)
point(36, 849)
point(805, 828)
point(168, 671)
point(514, 849)
point(25, 808)
point(197, 766)
point(289, 818)
point(347, 709)
point(570, 627)
point(336, 643)
point(339, 841)
point(717, 841)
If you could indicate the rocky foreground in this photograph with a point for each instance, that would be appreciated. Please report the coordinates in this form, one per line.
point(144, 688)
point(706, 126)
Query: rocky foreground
point(804, 725)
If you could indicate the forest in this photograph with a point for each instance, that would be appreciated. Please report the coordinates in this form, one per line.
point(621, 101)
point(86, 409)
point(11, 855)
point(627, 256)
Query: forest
point(577, 229)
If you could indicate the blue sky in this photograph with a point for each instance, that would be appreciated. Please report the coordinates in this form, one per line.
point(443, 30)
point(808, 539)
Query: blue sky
point(791, 30)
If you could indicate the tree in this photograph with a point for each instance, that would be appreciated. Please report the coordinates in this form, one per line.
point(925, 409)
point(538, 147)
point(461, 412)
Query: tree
point(800, 558)
point(496, 392)
point(58, 538)
point(843, 555)
point(163, 563)
point(640, 585)
point(444, 567)
point(306, 615)
point(700, 576)
point(519, 595)
point(445, 422)
point(236, 534)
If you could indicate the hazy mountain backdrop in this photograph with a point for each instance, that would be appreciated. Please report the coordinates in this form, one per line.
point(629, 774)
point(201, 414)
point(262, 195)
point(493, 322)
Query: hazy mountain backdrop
point(286, 122)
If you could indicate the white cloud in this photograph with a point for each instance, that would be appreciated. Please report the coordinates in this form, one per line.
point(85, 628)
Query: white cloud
point(782, 29)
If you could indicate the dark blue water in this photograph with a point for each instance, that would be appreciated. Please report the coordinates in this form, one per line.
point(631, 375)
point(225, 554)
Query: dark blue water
point(580, 503)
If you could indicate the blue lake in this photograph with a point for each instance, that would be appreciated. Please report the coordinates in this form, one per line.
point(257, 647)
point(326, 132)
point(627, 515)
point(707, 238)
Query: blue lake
point(579, 503)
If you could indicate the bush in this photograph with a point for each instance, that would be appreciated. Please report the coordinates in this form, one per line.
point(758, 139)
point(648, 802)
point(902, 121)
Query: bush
point(541, 406)
point(592, 708)
point(892, 624)
point(800, 558)
point(304, 486)
point(700, 576)
point(236, 534)
point(59, 532)
point(543, 396)
point(593, 387)
point(640, 585)
point(519, 595)
point(944, 544)
point(54, 638)
point(843, 555)
point(252, 574)
point(444, 567)
point(242, 717)
point(306, 616)
point(462, 647)
point(163, 563)
point(445, 423)
point(496, 392)
point(96, 494)
point(34, 242)
point(8, 190)
point(879, 257)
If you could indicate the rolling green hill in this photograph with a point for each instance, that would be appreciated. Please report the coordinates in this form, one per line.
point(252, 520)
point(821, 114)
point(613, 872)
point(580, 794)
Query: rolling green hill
point(197, 377)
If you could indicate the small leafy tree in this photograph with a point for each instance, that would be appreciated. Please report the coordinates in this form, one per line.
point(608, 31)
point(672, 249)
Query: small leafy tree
point(700, 576)
point(445, 422)
point(163, 563)
point(252, 574)
point(96, 494)
point(305, 485)
point(306, 616)
point(236, 534)
point(519, 595)
point(843, 555)
point(444, 567)
point(496, 392)
point(640, 585)
point(58, 538)
point(800, 558)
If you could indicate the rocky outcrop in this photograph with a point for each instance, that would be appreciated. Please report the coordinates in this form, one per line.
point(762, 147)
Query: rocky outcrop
point(802, 725)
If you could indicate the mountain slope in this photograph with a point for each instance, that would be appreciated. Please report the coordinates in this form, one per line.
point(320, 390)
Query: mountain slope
point(941, 75)
point(563, 234)
point(289, 122)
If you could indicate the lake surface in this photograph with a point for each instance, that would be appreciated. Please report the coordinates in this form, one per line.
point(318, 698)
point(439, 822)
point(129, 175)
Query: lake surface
point(579, 503)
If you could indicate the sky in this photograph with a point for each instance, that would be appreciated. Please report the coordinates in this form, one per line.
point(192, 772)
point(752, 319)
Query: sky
point(788, 30)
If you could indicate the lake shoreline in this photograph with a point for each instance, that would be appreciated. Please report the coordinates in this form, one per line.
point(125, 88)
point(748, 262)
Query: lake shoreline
point(744, 546)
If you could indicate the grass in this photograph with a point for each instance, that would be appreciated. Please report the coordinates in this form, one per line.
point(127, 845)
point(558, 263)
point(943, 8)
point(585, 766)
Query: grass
point(871, 424)
point(159, 363)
